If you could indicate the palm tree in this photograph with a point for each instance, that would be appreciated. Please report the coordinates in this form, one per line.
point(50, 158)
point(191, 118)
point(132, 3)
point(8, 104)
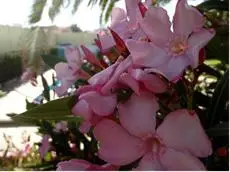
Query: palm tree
point(105, 5)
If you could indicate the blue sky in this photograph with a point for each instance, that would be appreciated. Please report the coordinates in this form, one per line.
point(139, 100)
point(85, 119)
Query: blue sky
point(17, 12)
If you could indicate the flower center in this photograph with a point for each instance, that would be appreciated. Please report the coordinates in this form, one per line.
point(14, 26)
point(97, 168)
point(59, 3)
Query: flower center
point(178, 47)
point(155, 145)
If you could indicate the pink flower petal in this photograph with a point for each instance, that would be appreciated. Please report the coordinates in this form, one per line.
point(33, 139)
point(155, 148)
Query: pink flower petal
point(61, 126)
point(73, 165)
point(137, 115)
point(65, 84)
point(122, 29)
point(186, 19)
point(133, 12)
point(175, 67)
point(101, 105)
point(86, 88)
point(149, 163)
point(197, 41)
point(81, 108)
point(85, 127)
point(107, 41)
point(73, 57)
point(151, 81)
point(145, 54)
point(117, 15)
point(45, 145)
point(182, 131)
point(116, 145)
point(122, 67)
point(138, 33)
point(82, 165)
point(173, 160)
point(63, 70)
point(126, 79)
point(102, 77)
point(156, 25)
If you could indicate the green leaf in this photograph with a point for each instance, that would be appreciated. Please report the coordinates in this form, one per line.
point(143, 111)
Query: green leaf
point(46, 89)
point(218, 47)
point(76, 5)
point(59, 109)
point(55, 8)
point(109, 10)
point(219, 130)
point(30, 105)
point(52, 60)
point(217, 107)
point(37, 10)
point(214, 4)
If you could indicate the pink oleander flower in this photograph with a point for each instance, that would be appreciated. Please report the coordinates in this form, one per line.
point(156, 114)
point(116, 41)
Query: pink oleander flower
point(61, 126)
point(82, 165)
point(69, 72)
point(45, 146)
point(174, 145)
point(92, 97)
point(171, 51)
point(126, 25)
point(26, 150)
point(102, 90)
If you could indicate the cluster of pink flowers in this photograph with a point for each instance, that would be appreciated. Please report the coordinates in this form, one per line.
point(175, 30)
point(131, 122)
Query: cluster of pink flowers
point(151, 57)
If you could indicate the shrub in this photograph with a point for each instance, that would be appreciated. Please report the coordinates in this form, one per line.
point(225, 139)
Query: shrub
point(10, 66)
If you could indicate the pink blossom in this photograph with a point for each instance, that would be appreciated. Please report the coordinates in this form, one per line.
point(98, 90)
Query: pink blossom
point(69, 72)
point(126, 25)
point(82, 165)
point(171, 52)
point(26, 150)
point(61, 126)
point(45, 145)
point(92, 98)
point(174, 145)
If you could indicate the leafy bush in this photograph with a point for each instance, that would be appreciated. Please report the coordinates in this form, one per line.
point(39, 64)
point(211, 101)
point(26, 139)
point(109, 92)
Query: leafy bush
point(10, 66)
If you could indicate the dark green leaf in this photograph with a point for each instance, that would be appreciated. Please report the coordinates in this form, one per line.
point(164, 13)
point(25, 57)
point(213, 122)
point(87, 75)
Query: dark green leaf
point(55, 8)
point(30, 105)
point(214, 4)
point(54, 110)
point(76, 5)
point(220, 98)
point(219, 130)
point(37, 10)
point(218, 47)
point(52, 60)
point(46, 89)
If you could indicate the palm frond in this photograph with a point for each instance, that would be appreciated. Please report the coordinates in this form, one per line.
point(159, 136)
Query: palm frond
point(103, 7)
point(37, 10)
point(76, 5)
point(55, 8)
point(109, 10)
point(92, 2)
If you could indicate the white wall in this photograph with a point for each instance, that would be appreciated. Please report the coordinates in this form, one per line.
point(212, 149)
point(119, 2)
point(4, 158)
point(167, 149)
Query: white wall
point(16, 38)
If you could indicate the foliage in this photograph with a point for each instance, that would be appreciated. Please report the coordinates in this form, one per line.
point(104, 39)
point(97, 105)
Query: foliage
point(10, 66)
